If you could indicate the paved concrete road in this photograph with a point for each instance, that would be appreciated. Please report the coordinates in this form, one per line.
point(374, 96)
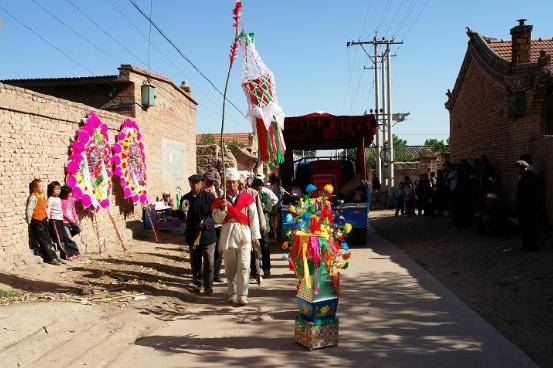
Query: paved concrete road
point(393, 314)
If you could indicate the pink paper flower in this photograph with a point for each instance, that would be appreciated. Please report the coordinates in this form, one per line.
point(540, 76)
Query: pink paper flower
point(144, 199)
point(77, 147)
point(116, 148)
point(104, 203)
point(72, 167)
point(127, 192)
point(135, 198)
point(77, 192)
point(86, 200)
point(71, 181)
point(83, 136)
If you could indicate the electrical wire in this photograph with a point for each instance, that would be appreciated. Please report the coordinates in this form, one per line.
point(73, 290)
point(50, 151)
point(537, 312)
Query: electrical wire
point(365, 19)
point(383, 16)
point(404, 18)
point(106, 32)
point(188, 60)
point(416, 19)
point(105, 52)
point(394, 18)
point(150, 36)
point(45, 40)
point(172, 63)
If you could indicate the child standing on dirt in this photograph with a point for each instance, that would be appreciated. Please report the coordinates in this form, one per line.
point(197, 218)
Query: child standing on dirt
point(70, 218)
point(36, 218)
point(54, 214)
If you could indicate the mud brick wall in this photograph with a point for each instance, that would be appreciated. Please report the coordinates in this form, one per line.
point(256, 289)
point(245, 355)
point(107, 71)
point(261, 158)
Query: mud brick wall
point(479, 124)
point(209, 158)
point(35, 133)
point(169, 131)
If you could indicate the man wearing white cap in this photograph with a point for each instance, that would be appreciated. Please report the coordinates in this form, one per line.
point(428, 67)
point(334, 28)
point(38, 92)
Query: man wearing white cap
point(238, 214)
point(528, 203)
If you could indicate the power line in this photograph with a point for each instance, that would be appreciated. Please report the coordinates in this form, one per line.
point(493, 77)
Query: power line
point(105, 32)
point(417, 18)
point(77, 33)
point(150, 34)
point(386, 9)
point(181, 53)
point(405, 17)
point(365, 18)
point(169, 60)
point(394, 18)
point(46, 41)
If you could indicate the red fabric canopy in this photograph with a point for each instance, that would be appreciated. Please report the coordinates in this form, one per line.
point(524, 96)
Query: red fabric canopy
point(327, 131)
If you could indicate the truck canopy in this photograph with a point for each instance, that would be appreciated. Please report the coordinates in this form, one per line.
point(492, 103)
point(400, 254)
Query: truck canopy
point(323, 131)
point(327, 131)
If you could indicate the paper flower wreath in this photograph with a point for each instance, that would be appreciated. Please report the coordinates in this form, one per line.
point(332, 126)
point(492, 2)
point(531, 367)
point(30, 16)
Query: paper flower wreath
point(129, 161)
point(89, 166)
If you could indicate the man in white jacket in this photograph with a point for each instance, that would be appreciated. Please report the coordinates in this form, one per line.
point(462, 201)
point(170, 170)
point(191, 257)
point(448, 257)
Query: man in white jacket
point(238, 215)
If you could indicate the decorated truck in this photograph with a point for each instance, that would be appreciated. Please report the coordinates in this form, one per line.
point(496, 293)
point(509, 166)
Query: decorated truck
point(339, 143)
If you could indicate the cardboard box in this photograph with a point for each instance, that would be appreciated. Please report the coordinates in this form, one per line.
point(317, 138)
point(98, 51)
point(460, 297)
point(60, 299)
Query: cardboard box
point(316, 335)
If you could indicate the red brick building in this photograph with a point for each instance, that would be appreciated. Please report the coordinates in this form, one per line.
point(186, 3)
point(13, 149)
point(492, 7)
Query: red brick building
point(502, 105)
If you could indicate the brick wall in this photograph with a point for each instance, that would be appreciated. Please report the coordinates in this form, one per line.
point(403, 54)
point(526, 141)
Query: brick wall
point(479, 125)
point(171, 122)
point(35, 133)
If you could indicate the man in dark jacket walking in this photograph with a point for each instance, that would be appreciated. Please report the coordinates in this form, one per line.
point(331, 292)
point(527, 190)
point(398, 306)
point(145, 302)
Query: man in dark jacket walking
point(528, 202)
point(200, 234)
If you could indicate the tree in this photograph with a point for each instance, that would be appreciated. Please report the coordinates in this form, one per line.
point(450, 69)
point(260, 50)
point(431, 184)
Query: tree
point(235, 144)
point(304, 153)
point(438, 146)
point(400, 151)
point(348, 153)
point(207, 139)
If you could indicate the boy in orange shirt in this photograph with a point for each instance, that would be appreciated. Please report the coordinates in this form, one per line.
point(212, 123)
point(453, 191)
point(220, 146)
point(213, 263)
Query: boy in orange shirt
point(36, 218)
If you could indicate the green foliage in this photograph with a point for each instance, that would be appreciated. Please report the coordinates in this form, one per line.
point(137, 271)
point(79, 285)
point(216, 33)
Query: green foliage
point(370, 158)
point(235, 144)
point(400, 151)
point(348, 153)
point(207, 139)
point(10, 294)
point(304, 153)
point(438, 146)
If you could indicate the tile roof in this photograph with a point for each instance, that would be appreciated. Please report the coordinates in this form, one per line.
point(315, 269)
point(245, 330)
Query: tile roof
point(503, 48)
point(229, 137)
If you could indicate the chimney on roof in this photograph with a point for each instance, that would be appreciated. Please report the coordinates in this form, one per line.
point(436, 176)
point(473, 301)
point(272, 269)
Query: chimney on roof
point(544, 59)
point(185, 86)
point(521, 43)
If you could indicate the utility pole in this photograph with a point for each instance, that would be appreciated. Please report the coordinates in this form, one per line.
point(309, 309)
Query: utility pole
point(385, 118)
point(378, 143)
point(389, 106)
point(382, 113)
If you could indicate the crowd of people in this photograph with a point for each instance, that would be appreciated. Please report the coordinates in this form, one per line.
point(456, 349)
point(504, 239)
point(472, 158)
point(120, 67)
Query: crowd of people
point(53, 222)
point(470, 193)
point(234, 229)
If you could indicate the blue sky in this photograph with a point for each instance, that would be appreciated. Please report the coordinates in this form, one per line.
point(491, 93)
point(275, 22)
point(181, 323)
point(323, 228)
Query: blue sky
point(303, 42)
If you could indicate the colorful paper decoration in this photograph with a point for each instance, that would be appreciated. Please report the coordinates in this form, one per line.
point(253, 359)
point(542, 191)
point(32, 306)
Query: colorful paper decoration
point(316, 252)
point(89, 166)
point(129, 161)
point(264, 111)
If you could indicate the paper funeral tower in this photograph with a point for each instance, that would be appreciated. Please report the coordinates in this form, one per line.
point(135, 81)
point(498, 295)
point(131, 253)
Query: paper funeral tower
point(264, 111)
point(316, 251)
